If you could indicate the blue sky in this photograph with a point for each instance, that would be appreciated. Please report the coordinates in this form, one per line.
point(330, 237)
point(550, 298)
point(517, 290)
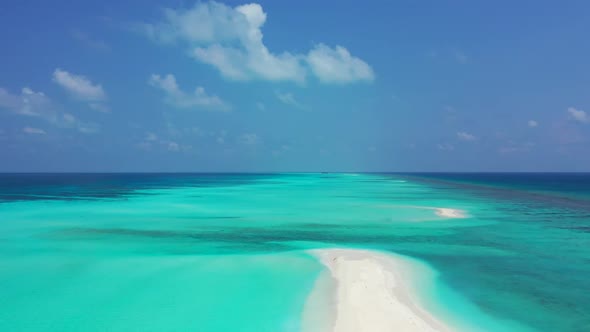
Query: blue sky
point(294, 86)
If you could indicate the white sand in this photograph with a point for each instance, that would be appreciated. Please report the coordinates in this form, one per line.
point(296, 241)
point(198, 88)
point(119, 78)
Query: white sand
point(450, 213)
point(371, 292)
point(441, 212)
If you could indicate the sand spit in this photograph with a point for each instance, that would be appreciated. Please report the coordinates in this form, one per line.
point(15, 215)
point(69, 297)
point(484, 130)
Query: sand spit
point(371, 292)
point(450, 213)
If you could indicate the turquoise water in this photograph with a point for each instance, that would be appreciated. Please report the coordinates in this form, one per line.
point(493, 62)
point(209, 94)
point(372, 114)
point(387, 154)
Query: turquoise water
point(227, 252)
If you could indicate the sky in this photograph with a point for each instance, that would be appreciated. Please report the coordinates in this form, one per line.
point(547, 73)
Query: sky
point(288, 86)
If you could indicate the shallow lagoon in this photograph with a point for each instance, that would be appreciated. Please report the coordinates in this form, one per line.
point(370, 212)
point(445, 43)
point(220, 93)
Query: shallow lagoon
point(226, 252)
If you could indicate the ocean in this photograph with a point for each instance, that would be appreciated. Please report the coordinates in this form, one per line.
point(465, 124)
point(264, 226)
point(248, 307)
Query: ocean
point(227, 252)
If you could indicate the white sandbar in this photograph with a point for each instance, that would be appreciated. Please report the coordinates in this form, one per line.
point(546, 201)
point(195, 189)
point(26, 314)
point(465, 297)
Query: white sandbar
point(450, 213)
point(444, 212)
point(371, 292)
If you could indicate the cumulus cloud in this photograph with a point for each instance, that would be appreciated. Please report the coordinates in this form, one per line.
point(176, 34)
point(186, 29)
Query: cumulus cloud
point(464, 136)
point(178, 98)
point(533, 123)
point(337, 65)
point(33, 131)
point(37, 104)
point(231, 40)
point(28, 102)
point(79, 86)
point(578, 115)
point(254, 62)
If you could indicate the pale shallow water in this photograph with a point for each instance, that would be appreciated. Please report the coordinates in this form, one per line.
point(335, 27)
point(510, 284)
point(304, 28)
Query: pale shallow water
point(161, 252)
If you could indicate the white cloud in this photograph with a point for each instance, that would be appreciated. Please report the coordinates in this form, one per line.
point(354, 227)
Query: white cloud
point(205, 22)
point(250, 58)
point(578, 115)
point(256, 62)
point(37, 104)
point(79, 86)
point(288, 98)
point(249, 139)
point(33, 131)
point(533, 123)
point(8, 100)
point(176, 147)
point(28, 102)
point(231, 40)
point(337, 65)
point(464, 136)
point(178, 98)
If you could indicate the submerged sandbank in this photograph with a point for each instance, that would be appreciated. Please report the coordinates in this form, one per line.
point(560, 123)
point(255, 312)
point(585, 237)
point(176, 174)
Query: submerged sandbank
point(370, 291)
